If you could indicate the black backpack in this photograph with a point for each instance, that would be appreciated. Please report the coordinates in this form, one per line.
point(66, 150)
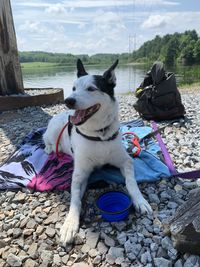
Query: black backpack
point(158, 96)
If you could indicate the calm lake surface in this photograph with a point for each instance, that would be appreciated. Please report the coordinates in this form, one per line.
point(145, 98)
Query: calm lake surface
point(128, 77)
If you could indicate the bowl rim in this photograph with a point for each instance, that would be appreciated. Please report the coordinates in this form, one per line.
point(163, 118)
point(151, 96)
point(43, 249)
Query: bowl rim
point(116, 212)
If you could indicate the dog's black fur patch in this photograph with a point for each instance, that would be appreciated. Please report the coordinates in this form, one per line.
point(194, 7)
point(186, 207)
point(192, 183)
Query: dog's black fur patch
point(104, 86)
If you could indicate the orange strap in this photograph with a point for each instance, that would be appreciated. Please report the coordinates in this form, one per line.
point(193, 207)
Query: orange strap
point(59, 137)
point(135, 142)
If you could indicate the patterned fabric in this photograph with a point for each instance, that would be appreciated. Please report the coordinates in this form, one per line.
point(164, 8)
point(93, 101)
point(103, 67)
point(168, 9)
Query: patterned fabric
point(31, 167)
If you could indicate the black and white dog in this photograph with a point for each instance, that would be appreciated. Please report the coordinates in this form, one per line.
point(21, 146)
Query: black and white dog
point(94, 141)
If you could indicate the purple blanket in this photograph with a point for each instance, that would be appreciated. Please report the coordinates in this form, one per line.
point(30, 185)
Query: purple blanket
point(31, 167)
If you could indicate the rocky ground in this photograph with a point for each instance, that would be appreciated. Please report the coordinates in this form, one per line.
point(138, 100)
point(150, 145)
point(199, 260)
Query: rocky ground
point(30, 221)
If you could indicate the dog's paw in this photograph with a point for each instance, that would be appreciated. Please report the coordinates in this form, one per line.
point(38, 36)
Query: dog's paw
point(69, 230)
point(48, 149)
point(142, 206)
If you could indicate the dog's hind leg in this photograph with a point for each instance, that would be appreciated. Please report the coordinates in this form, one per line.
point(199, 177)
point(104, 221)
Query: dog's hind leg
point(139, 202)
point(71, 224)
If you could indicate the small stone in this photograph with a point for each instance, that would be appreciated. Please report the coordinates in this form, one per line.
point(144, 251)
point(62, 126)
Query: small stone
point(172, 205)
point(78, 240)
point(178, 187)
point(92, 239)
point(166, 243)
point(120, 225)
point(2, 216)
point(32, 251)
point(24, 222)
point(153, 247)
point(110, 258)
point(30, 263)
point(17, 232)
point(56, 260)
point(2, 244)
point(153, 198)
point(2, 263)
point(132, 248)
point(161, 253)
point(121, 238)
point(172, 253)
point(39, 229)
point(93, 252)
point(46, 256)
point(80, 264)
point(192, 261)
point(102, 248)
point(108, 241)
point(50, 232)
point(20, 243)
point(13, 260)
point(47, 203)
point(162, 262)
point(116, 252)
point(97, 260)
point(119, 260)
point(65, 259)
point(28, 232)
point(146, 257)
point(53, 218)
point(85, 248)
point(19, 197)
point(31, 224)
point(178, 263)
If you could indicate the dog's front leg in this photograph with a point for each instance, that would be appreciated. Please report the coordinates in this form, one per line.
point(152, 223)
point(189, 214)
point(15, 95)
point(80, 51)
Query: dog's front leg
point(71, 224)
point(139, 202)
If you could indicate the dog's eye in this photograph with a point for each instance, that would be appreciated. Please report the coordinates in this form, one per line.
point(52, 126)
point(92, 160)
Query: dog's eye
point(91, 89)
point(74, 88)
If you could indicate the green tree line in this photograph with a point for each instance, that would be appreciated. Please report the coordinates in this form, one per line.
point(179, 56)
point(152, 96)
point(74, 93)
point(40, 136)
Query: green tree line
point(181, 48)
point(69, 59)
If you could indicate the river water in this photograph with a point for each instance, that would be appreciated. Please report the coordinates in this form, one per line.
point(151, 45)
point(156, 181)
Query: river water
point(128, 76)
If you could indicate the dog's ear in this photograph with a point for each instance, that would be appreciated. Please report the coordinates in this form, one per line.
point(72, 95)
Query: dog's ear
point(109, 75)
point(80, 69)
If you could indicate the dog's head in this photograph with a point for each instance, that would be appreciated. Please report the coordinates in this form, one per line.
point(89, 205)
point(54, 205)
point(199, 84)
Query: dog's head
point(91, 93)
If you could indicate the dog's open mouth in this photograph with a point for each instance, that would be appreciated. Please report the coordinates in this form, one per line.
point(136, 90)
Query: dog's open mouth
point(82, 115)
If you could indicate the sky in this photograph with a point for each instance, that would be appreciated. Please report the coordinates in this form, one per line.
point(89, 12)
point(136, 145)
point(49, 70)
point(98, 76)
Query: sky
point(99, 26)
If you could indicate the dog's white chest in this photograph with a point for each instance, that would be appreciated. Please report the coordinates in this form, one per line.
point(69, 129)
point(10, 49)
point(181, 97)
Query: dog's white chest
point(96, 153)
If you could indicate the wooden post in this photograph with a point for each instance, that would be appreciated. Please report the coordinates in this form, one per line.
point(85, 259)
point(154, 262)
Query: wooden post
point(10, 71)
point(184, 225)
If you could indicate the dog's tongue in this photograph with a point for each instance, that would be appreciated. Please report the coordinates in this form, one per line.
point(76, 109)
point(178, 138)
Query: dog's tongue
point(81, 115)
point(78, 116)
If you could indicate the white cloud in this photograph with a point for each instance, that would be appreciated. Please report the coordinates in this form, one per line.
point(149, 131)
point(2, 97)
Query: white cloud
point(56, 9)
point(155, 21)
point(98, 3)
point(32, 27)
point(95, 26)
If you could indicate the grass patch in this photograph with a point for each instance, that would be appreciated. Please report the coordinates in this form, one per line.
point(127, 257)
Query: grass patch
point(189, 86)
point(32, 65)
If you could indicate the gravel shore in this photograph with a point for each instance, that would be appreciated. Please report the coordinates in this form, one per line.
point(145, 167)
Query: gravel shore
point(30, 221)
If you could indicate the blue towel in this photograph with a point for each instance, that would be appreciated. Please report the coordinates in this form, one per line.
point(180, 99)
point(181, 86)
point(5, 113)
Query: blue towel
point(148, 165)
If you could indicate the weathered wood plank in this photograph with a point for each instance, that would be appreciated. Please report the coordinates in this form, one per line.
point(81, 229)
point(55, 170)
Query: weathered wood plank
point(184, 226)
point(10, 72)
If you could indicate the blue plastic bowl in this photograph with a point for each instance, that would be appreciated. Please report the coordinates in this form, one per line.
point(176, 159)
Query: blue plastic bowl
point(114, 205)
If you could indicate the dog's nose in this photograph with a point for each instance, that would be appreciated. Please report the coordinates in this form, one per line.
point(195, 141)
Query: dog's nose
point(70, 102)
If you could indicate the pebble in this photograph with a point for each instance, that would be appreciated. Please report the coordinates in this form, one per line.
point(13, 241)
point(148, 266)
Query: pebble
point(102, 248)
point(162, 262)
point(192, 261)
point(110, 242)
point(30, 263)
point(92, 239)
point(13, 260)
point(32, 251)
point(30, 221)
point(50, 232)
